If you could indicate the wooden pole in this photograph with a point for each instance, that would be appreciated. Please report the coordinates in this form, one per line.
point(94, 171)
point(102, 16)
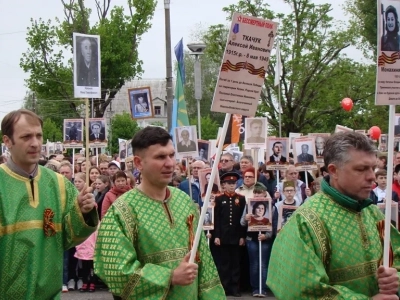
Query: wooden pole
point(87, 140)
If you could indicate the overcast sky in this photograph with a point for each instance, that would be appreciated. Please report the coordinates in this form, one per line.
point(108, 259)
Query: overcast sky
point(186, 15)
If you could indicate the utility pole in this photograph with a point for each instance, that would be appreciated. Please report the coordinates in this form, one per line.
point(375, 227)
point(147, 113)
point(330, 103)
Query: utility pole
point(168, 58)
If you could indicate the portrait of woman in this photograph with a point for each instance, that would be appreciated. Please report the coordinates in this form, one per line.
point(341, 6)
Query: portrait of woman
point(258, 212)
point(391, 39)
point(214, 190)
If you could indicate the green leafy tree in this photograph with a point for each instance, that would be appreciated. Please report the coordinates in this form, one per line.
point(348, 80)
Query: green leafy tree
point(316, 74)
point(209, 127)
point(51, 131)
point(50, 46)
point(123, 127)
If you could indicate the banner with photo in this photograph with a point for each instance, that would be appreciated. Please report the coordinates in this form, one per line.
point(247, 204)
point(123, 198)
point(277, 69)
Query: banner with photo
point(260, 210)
point(255, 133)
point(277, 153)
point(285, 212)
point(122, 149)
point(204, 150)
point(292, 136)
point(140, 103)
point(97, 133)
point(49, 148)
point(204, 180)
point(320, 140)
point(383, 143)
point(129, 152)
point(304, 154)
point(208, 223)
point(186, 141)
point(87, 66)
point(388, 59)
point(73, 133)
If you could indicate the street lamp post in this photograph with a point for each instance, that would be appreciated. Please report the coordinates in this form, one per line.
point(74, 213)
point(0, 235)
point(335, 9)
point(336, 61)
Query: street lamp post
point(197, 49)
point(168, 64)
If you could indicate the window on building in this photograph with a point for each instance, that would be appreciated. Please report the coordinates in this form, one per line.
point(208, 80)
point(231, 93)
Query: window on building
point(157, 110)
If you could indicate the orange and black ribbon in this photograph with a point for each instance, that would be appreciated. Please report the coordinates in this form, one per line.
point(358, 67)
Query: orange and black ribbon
point(381, 229)
point(228, 66)
point(48, 225)
point(189, 222)
point(385, 59)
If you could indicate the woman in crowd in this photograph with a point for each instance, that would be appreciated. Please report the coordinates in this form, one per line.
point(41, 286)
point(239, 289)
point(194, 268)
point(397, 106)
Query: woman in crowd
point(120, 187)
point(94, 172)
point(102, 184)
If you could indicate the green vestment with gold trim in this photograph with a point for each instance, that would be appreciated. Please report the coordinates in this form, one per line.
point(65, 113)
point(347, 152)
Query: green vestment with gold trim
point(141, 241)
point(31, 263)
point(329, 249)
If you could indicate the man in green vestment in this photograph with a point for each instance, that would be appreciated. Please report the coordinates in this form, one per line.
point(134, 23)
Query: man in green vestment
point(331, 246)
point(142, 249)
point(41, 214)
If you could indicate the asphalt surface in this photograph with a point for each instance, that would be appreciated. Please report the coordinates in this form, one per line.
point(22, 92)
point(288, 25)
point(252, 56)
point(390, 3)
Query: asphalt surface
point(105, 295)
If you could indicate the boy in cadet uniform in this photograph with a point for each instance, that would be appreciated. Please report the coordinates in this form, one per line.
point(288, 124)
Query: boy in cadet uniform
point(229, 234)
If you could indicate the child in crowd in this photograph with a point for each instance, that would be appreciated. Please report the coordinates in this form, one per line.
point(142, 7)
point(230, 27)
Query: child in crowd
point(120, 187)
point(102, 184)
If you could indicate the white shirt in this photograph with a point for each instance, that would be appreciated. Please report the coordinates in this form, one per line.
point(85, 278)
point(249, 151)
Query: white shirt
point(381, 194)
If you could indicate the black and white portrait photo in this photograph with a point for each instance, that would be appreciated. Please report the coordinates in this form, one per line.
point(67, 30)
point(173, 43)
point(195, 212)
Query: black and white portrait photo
point(277, 153)
point(237, 155)
point(129, 150)
point(304, 152)
point(320, 139)
point(73, 133)
point(97, 132)
point(186, 140)
point(208, 223)
point(203, 147)
point(397, 125)
point(140, 103)
point(390, 40)
point(255, 132)
point(122, 149)
point(86, 65)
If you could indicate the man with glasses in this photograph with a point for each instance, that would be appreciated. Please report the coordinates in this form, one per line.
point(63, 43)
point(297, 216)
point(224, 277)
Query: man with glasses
point(227, 164)
point(301, 191)
point(194, 182)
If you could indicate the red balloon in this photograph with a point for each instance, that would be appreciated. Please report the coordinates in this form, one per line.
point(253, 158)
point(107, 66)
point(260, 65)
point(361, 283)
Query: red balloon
point(374, 132)
point(347, 104)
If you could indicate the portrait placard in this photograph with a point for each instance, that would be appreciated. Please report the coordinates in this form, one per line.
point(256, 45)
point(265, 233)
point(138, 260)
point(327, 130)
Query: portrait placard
point(58, 148)
point(340, 128)
point(43, 152)
point(208, 223)
point(320, 140)
point(388, 60)
point(292, 136)
point(383, 142)
point(277, 153)
point(284, 214)
point(204, 150)
point(50, 148)
point(186, 141)
point(255, 133)
point(237, 155)
point(129, 151)
point(97, 133)
point(204, 180)
point(244, 65)
point(87, 66)
point(304, 154)
point(122, 149)
point(73, 133)
point(260, 210)
point(141, 103)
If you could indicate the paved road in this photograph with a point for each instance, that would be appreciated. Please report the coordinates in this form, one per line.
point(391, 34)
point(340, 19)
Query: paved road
point(103, 295)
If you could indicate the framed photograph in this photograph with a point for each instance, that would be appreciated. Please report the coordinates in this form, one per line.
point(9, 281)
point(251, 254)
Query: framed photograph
point(394, 212)
point(204, 181)
point(43, 150)
point(58, 148)
point(122, 149)
point(208, 223)
point(255, 134)
point(204, 147)
point(320, 140)
point(292, 136)
point(97, 133)
point(141, 103)
point(261, 214)
point(50, 148)
point(87, 66)
point(277, 153)
point(397, 125)
point(186, 141)
point(284, 214)
point(129, 151)
point(340, 128)
point(73, 133)
point(383, 142)
point(237, 155)
point(304, 154)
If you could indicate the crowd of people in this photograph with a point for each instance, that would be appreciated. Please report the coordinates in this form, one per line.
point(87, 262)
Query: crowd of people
point(131, 227)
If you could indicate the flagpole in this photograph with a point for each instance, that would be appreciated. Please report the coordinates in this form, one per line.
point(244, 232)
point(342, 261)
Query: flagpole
point(279, 107)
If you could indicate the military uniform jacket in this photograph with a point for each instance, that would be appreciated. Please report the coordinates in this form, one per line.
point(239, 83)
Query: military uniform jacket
point(227, 212)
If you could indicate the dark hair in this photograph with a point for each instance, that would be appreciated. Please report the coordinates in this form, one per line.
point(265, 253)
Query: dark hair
point(277, 142)
point(149, 136)
point(391, 9)
point(52, 156)
point(256, 205)
point(7, 124)
point(119, 174)
point(380, 172)
point(337, 147)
